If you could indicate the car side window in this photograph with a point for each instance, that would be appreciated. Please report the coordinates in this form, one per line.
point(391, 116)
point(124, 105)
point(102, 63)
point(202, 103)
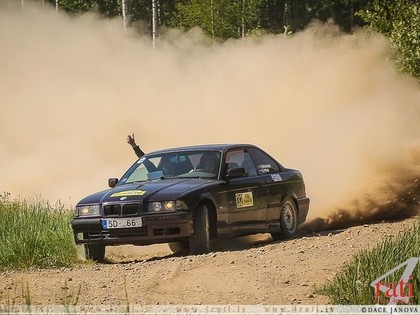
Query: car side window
point(240, 158)
point(265, 164)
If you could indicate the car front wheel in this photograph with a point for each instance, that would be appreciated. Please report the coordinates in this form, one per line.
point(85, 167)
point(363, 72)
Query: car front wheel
point(288, 220)
point(96, 252)
point(177, 247)
point(200, 242)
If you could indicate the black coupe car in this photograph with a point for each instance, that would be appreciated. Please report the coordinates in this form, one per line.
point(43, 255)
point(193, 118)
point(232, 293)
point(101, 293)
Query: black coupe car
point(191, 195)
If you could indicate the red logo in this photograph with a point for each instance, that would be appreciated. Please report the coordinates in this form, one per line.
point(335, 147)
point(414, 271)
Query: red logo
point(394, 292)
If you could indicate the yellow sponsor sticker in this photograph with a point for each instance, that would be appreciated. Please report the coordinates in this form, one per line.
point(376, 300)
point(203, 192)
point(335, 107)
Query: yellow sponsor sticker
point(129, 193)
point(244, 200)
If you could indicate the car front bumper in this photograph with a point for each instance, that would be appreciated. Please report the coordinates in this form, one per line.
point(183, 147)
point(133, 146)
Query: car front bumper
point(156, 228)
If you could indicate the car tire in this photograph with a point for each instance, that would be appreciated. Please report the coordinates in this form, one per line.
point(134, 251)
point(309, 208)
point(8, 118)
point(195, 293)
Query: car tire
point(288, 220)
point(177, 247)
point(95, 252)
point(200, 242)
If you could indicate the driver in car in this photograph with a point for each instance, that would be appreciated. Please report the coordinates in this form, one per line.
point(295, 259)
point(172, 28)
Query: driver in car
point(208, 163)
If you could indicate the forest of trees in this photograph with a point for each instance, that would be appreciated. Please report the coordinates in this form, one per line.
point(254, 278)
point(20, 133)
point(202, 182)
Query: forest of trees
point(399, 20)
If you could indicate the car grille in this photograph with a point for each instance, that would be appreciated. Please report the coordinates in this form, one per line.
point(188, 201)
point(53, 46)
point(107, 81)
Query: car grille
point(122, 209)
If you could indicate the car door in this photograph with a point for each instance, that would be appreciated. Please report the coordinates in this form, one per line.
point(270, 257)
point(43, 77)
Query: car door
point(247, 195)
point(275, 180)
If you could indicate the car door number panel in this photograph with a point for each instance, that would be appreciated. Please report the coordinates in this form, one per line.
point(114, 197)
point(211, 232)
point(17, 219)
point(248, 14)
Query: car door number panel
point(244, 199)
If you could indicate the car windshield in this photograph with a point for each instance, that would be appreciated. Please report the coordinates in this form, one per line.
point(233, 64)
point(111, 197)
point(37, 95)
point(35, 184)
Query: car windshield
point(191, 164)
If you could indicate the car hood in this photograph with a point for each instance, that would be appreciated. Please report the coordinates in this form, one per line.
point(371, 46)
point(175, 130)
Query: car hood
point(167, 189)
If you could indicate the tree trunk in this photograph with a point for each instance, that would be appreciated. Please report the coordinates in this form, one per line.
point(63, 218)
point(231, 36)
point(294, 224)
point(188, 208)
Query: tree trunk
point(159, 13)
point(153, 22)
point(243, 18)
point(212, 17)
point(125, 13)
point(286, 17)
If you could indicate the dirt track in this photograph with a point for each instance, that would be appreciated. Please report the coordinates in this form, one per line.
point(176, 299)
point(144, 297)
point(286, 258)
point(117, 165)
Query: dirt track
point(247, 270)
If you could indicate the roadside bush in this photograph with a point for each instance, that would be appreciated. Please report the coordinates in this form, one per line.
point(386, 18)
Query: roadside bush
point(35, 233)
point(400, 22)
point(352, 285)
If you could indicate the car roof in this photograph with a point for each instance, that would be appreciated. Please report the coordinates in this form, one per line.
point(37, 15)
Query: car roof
point(204, 147)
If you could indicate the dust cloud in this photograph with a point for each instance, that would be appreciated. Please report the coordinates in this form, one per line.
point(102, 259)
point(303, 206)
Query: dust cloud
point(329, 104)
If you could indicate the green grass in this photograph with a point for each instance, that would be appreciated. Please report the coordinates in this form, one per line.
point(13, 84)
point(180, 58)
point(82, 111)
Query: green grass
point(35, 233)
point(352, 285)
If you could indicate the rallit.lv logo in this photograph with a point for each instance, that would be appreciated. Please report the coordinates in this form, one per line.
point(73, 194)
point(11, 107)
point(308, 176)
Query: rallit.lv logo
point(401, 291)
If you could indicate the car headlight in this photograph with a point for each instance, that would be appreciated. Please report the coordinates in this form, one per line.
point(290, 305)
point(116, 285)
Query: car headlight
point(88, 211)
point(170, 205)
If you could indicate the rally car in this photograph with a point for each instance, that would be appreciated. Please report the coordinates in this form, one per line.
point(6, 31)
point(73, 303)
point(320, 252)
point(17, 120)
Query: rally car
point(190, 195)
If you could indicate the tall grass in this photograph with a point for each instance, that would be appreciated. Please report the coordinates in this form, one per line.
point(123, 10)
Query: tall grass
point(352, 285)
point(35, 233)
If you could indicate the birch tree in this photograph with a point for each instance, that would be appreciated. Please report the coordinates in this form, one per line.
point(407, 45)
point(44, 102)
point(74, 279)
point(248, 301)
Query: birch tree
point(125, 9)
point(154, 22)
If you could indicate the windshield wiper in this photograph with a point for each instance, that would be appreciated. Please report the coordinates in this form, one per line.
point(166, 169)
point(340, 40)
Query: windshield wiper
point(168, 177)
point(136, 181)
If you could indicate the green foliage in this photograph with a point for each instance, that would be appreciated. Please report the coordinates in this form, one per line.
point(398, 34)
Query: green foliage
point(275, 15)
point(109, 8)
point(352, 285)
point(219, 18)
point(34, 233)
point(74, 6)
point(400, 22)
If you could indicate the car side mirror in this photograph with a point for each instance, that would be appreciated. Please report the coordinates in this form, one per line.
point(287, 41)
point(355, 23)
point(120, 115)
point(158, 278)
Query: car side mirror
point(112, 182)
point(235, 172)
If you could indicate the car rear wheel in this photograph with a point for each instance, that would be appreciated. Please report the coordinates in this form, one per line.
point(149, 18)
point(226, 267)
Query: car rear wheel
point(96, 252)
point(200, 242)
point(288, 220)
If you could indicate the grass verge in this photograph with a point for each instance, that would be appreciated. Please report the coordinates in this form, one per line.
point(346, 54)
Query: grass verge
point(353, 285)
point(35, 233)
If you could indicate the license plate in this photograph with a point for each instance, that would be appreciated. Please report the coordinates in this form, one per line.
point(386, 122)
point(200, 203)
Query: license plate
point(121, 223)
